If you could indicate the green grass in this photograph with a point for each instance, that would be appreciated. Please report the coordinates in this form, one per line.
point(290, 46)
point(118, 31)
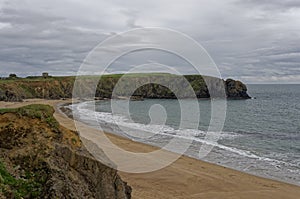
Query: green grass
point(74, 141)
point(38, 111)
point(52, 78)
point(120, 75)
point(138, 75)
point(35, 79)
point(24, 80)
point(21, 188)
point(33, 111)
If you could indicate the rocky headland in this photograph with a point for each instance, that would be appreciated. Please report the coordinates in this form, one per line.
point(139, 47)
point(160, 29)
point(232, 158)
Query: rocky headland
point(18, 89)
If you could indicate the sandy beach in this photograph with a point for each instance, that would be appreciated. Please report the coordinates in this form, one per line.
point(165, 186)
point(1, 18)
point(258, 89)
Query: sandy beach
point(186, 177)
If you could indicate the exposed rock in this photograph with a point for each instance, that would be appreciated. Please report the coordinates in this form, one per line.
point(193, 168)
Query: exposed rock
point(51, 160)
point(10, 96)
point(136, 98)
point(236, 89)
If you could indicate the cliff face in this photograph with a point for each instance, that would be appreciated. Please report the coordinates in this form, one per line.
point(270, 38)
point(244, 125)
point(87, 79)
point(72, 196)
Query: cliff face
point(40, 159)
point(236, 89)
point(51, 88)
point(62, 87)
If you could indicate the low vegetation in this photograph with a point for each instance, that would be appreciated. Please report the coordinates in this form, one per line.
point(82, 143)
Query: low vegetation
point(29, 185)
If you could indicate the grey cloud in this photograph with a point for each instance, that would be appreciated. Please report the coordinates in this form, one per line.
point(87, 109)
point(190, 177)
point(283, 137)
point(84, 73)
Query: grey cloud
point(132, 16)
point(35, 38)
point(273, 5)
point(248, 39)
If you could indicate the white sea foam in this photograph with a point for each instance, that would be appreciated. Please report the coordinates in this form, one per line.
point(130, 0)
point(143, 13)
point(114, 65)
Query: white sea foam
point(142, 132)
point(164, 130)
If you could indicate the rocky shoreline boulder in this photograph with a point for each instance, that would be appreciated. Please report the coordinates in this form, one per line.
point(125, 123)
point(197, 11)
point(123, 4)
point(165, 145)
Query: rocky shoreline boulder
point(236, 90)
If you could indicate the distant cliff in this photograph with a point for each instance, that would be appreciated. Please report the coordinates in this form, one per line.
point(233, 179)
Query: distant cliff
point(62, 87)
point(41, 159)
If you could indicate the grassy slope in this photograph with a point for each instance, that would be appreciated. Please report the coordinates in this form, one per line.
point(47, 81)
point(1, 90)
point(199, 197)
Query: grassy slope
point(31, 184)
point(41, 159)
point(35, 111)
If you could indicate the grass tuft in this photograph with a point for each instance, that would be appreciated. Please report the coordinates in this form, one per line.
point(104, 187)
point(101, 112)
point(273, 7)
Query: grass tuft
point(26, 187)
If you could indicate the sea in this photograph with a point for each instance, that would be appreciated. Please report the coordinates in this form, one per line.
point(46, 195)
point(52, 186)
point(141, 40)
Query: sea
point(260, 136)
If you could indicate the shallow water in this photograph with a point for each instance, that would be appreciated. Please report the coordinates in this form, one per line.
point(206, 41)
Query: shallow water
point(261, 136)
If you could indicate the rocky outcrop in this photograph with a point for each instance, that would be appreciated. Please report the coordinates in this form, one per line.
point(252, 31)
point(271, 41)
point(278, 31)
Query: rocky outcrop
point(75, 174)
point(154, 86)
point(236, 89)
point(41, 159)
point(10, 95)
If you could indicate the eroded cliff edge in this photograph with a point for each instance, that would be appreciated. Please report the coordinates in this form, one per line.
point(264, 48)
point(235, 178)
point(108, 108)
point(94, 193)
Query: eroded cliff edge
point(41, 159)
point(18, 89)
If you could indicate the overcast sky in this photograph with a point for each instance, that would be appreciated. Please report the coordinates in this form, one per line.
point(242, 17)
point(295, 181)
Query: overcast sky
point(251, 40)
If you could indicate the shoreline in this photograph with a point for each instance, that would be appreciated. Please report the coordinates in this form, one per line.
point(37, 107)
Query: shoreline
point(185, 178)
point(67, 111)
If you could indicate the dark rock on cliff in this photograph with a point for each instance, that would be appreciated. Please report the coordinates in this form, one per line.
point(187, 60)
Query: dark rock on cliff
point(236, 89)
point(114, 86)
point(9, 95)
point(40, 159)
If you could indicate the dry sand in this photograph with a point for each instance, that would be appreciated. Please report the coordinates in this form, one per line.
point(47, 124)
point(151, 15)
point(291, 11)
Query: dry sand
point(186, 177)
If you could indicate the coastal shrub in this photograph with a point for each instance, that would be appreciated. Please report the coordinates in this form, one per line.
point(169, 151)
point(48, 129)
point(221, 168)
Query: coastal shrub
point(26, 187)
